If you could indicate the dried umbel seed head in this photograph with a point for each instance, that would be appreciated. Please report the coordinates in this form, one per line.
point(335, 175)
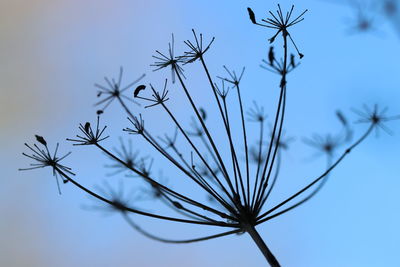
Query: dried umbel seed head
point(157, 98)
point(113, 89)
point(233, 77)
point(327, 144)
point(375, 116)
point(119, 199)
point(390, 7)
point(169, 60)
point(43, 158)
point(129, 158)
point(222, 91)
point(280, 22)
point(196, 49)
point(89, 137)
point(256, 113)
point(168, 140)
point(138, 124)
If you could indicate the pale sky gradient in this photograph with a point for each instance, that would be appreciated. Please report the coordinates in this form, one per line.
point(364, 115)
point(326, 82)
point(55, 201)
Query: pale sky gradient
point(53, 51)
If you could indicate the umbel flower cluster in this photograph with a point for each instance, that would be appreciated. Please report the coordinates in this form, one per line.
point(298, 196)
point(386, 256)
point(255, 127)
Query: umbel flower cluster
point(237, 176)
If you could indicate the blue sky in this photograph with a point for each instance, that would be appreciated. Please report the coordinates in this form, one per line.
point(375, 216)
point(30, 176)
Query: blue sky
point(56, 50)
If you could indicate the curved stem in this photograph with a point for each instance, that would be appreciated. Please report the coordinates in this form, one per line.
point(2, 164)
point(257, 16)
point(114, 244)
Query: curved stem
point(347, 151)
point(200, 156)
point(164, 240)
point(305, 199)
point(135, 210)
point(127, 110)
point(164, 188)
point(163, 152)
point(168, 202)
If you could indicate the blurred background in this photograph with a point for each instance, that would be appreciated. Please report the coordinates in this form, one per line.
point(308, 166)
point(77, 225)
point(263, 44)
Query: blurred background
point(52, 52)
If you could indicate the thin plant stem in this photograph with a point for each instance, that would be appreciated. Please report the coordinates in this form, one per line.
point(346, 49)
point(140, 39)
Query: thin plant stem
point(171, 241)
point(97, 196)
point(265, 186)
point(282, 98)
point(246, 150)
point(205, 130)
point(164, 188)
point(222, 114)
point(251, 230)
point(235, 162)
point(197, 152)
point(205, 186)
point(258, 162)
point(278, 167)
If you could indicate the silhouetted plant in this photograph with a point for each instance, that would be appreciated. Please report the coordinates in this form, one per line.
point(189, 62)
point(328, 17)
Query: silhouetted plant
point(114, 91)
point(237, 192)
point(368, 16)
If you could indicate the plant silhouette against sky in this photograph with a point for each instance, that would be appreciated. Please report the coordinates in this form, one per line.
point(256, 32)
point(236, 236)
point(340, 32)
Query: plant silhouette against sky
point(237, 189)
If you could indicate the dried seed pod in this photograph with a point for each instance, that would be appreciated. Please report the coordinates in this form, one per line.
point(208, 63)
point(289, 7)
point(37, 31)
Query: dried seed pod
point(87, 127)
point(203, 113)
point(341, 118)
point(271, 55)
point(177, 205)
point(41, 140)
point(292, 62)
point(252, 15)
point(138, 89)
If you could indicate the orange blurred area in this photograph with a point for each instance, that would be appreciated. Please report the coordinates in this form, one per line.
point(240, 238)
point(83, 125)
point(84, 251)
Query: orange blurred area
point(50, 53)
